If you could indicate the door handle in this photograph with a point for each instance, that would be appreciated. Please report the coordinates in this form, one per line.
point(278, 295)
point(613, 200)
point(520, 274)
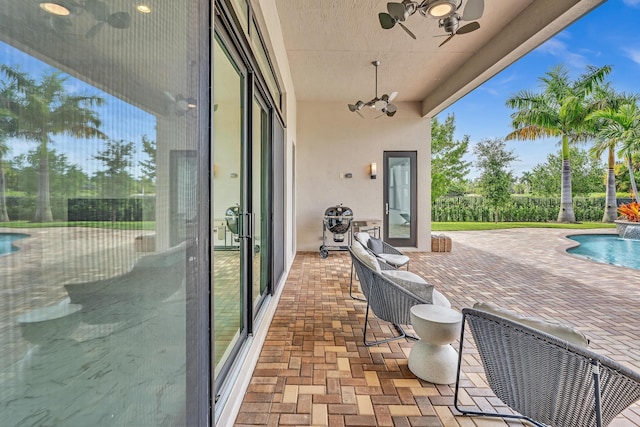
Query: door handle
point(244, 225)
point(386, 208)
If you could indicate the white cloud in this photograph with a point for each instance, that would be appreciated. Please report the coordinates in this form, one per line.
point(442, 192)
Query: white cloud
point(557, 48)
point(632, 3)
point(634, 54)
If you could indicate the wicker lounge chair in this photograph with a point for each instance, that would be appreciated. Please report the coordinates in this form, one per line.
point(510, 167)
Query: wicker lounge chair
point(548, 380)
point(388, 300)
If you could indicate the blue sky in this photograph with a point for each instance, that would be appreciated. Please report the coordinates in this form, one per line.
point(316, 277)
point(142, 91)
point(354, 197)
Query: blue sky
point(120, 120)
point(608, 35)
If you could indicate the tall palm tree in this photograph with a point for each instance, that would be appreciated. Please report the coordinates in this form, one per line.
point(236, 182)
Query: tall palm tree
point(559, 110)
point(7, 125)
point(605, 98)
point(46, 109)
point(622, 125)
point(4, 148)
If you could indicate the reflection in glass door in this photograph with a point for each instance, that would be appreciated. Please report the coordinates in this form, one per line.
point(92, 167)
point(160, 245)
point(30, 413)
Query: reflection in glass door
point(227, 209)
point(400, 188)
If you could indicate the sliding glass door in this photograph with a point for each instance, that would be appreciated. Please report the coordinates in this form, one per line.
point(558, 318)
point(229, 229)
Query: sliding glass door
point(241, 241)
point(229, 85)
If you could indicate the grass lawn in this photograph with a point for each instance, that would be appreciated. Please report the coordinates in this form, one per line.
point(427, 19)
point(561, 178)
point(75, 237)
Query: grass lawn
point(461, 226)
point(119, 225)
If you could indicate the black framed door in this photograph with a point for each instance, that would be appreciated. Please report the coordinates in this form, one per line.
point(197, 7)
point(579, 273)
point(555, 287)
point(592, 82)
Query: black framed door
point(400, 198)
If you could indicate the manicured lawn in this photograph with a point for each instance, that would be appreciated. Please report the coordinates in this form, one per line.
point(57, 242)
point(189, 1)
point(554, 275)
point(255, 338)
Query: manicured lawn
point(461, 226)
point(119, 225)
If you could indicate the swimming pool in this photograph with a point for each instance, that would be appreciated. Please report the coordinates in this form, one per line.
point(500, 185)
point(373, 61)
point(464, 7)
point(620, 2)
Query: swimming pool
point(6, 240)
point(608, 249)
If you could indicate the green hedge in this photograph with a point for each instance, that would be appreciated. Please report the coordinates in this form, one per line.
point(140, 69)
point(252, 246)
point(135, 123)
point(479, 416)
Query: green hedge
point(23, 208)
point(126, 209)
point(525, 209)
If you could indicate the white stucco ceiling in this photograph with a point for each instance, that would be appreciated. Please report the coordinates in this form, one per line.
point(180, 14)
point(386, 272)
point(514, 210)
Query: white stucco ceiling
point(330, 45)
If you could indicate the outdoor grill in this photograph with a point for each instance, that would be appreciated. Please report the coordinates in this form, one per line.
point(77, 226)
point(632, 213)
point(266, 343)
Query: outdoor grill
point(232, 219)
point(337, 220)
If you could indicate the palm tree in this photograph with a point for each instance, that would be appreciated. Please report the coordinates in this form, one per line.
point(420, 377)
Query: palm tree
point(559, 110)
point(7, 124)
point(606, 99)
point(46, 109)
point(622, 125)
point(4, 214)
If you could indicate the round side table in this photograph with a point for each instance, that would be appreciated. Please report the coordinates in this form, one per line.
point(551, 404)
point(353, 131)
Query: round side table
point(432, 358)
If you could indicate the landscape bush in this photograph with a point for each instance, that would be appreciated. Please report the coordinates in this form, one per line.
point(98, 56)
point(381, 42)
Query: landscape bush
point(520, 209)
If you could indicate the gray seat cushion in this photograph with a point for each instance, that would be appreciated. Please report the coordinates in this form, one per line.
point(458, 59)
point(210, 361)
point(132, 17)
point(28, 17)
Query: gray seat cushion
point(411, 282)
point(366, 257)
point(394, 259)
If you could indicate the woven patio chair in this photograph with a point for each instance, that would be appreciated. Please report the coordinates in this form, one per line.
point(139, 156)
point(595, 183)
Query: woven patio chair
point(390, 257)
point(547, 380)
point(389, 301)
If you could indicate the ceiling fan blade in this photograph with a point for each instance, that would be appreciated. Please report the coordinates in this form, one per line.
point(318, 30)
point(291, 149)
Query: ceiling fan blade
point(397, 11)
point(98, 9)
point(407, 30)
point(393, 96)
point(386, 20)
point(410, 6)
point(472, 26)
point(473, 10)
point(120, 20)
point(94, 30)
point(360, 114)
point(446, 40)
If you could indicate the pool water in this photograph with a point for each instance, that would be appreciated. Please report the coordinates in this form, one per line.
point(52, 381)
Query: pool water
point(608, 249)
point(6, 240)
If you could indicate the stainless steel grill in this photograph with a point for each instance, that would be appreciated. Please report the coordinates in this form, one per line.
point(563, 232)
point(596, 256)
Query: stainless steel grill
point(337, 220)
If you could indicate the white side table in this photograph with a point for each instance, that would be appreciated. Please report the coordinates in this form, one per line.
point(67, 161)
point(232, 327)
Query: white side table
point(432, 358)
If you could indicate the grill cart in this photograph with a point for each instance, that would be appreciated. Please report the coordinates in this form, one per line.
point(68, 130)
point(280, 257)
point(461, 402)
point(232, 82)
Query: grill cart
point(336, 221)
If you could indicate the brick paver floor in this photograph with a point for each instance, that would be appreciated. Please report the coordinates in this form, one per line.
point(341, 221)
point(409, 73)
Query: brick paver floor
point(315, 370)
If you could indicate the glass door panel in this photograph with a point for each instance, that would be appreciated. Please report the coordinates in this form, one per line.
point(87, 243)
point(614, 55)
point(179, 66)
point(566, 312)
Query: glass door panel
point(400, 198)
point(227, 229)
point(259, 200)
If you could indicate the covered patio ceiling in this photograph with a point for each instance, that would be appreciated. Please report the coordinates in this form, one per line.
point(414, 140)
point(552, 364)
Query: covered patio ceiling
point(140, 59)
point(331, 44)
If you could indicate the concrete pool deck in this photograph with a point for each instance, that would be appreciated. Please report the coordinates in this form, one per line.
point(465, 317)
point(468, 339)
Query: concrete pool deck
point(314, 369)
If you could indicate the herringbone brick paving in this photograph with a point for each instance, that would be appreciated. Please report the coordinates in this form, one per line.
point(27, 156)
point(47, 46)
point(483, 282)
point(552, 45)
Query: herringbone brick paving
point(315, 370)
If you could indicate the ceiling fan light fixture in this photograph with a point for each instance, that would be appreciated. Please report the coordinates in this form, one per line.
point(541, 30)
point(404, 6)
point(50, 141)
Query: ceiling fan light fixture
point(442, 8)
point(382, 103)
point(55, 8)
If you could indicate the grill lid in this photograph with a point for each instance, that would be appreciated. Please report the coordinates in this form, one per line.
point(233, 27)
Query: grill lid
point(338, 218)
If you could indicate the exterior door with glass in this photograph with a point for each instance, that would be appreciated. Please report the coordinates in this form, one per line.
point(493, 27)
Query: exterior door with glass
point(400, 193)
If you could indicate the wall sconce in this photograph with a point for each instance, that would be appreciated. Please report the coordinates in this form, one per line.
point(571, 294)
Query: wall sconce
point(373, 170)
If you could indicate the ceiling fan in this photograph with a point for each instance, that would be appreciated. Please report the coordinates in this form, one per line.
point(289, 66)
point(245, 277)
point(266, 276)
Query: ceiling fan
point(382, 104)
point(445, 11)
point(100, 12)
point(60, 12)
point(179, 105)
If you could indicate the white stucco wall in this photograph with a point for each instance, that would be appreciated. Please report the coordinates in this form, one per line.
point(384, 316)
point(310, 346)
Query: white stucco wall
point(267, 15)
point(333, 141)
